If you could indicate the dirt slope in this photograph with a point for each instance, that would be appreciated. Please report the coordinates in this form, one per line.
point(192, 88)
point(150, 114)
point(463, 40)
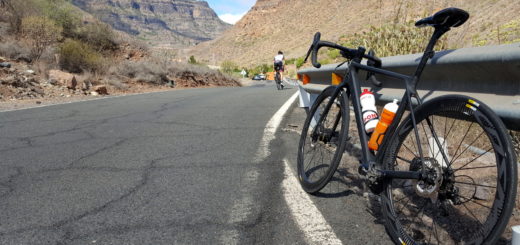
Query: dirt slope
point(289, 25)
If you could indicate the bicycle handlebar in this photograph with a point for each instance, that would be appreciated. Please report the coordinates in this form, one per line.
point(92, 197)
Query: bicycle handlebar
point(345, 52)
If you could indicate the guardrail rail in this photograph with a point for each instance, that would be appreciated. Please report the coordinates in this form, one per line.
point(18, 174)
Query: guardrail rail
point(490, 74)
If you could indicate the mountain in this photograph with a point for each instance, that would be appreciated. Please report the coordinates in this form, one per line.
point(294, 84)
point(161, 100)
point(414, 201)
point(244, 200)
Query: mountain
point(289, 25)
point(169, 23)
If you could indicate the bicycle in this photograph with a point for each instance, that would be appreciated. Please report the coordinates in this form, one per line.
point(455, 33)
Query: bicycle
point(277, 78)
point(446, 173)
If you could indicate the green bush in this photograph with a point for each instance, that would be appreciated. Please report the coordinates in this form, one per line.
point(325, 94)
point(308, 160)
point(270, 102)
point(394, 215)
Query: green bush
point(228, 67)
point(299, 62)
point(76, 56)
point(99, 35)
point(192, 60)
point(393, 39)
point(41, 32)
point(290, 61)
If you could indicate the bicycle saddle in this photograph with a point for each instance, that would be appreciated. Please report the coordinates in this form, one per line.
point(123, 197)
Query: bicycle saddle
point(450, 17)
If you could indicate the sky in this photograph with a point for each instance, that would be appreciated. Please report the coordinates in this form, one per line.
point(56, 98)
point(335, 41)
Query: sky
point(231, 11)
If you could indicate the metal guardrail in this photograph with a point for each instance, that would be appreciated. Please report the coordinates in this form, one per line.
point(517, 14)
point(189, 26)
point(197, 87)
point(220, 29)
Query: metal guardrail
point(490, 74)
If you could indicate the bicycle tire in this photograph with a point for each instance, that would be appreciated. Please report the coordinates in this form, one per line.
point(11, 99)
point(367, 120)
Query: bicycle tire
point(461, 206)
point(277, 80)
point(314, 178)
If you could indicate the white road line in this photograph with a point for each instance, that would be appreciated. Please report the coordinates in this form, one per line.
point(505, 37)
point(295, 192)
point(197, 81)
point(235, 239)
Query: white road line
point(244, 207)
point(307, 216)
point(270, 129)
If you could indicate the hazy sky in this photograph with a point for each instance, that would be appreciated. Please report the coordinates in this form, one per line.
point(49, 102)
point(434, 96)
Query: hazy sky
point(231, 11)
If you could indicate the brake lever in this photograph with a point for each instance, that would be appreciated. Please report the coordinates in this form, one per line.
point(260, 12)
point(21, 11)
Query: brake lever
point(315, 42)
point(308, 53)
point(370, 75)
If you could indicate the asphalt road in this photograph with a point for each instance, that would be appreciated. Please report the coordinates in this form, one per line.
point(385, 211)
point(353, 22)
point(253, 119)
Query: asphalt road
point(179, 167)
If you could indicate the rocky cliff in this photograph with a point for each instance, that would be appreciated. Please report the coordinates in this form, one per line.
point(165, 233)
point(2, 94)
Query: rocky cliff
point(289, 25)
point(175, 23)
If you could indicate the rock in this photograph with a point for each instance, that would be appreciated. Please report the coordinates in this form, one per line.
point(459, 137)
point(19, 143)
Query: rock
point(30, 72)
point(72, 83)
point(38, 102)
point(481, 193)
point(23, 57)
point(38, 90)
point(5, 65)
point(62, 78)
point(94, 93)
point(2, 59)
point(86, 85)
point(52, 81)
point(101, 89)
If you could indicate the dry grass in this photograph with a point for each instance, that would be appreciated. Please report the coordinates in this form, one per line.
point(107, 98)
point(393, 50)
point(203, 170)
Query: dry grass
point(13, 49)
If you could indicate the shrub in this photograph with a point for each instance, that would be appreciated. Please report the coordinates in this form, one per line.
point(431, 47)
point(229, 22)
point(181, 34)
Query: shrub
point(98, 35)
point(228, 67)
point(192, 60)
point(13, 49)
point(16, 10)
point(41, 33)
point(76, 56)
point(299, 62)
point(394, 39)
point(65, 16)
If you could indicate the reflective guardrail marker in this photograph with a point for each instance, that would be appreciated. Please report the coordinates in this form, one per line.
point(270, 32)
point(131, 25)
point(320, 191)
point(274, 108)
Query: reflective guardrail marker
point(304, 78)
point(336, 79)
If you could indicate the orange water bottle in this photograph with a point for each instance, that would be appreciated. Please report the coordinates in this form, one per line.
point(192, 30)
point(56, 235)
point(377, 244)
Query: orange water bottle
point(387, 116)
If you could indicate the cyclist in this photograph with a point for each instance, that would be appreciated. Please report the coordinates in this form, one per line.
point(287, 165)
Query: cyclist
point(279, 65)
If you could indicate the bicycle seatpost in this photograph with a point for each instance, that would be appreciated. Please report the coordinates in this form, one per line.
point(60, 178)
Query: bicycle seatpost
point(428, 52)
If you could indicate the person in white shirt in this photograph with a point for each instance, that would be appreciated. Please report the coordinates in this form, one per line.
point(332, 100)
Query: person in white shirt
point(279, 64)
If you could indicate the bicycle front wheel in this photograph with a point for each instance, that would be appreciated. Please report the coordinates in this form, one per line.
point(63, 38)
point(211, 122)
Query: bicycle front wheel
point(471, 189)
point(322, 145)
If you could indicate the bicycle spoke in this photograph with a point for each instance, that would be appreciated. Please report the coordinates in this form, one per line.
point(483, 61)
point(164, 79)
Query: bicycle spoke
point(494, 166)
point(471, 213)
point(405, 160)
point(473, 160)
point(471, 200)
point(449, 165)
point(466, 183)
point(469, 145)
point(405, 146)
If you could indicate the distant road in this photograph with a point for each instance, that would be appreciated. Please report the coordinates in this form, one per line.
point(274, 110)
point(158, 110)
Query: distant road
point(193, 166)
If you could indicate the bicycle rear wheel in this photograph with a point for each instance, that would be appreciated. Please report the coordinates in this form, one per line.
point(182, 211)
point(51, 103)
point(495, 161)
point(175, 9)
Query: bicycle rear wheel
point(470, 158)
point(278, 80)
point(321, 146)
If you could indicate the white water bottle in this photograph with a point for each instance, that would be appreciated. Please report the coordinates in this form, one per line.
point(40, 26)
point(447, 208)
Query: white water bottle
point(369, 110)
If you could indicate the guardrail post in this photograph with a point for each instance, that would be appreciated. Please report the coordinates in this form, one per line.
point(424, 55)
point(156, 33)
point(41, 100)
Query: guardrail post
point(516, 235)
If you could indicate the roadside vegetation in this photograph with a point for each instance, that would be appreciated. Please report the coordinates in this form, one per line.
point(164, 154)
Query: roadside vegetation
point(45, 35)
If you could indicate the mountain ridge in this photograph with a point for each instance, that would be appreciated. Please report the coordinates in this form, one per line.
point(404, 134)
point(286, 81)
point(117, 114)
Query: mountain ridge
point(168, 23)
point(289, 25)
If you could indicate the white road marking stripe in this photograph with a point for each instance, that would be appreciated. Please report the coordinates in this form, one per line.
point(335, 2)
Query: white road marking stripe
point(307, 216)
point(244, 207)
point(270, 129)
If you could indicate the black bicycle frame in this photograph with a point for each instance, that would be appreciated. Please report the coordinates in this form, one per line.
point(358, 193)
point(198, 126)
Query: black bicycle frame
point(352, 84)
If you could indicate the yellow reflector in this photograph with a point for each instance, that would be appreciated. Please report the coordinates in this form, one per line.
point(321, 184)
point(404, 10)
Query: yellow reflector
point(306, 79)
point(336, 79)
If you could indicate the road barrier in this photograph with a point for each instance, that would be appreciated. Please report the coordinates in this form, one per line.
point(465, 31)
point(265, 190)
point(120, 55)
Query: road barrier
point(490, 74)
